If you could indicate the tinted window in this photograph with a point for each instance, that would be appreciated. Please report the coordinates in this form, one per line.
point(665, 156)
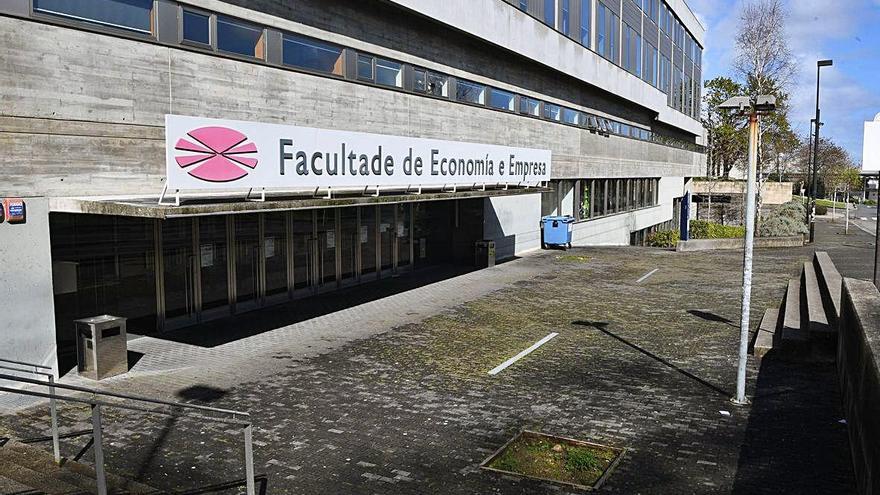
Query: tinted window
point(529, 106)
point(389, 73)
point(501, 100)
point(420, 81)
point(552, 112)
point(234, 36)
point(570, 116)
point(365, 67)
point(134, 15)
point(550, 12)
point(312, 54)
point(437, 85)
point(470, 92)
point(196, 27)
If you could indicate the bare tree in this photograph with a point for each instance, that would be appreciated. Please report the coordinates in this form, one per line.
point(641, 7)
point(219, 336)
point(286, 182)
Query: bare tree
point(763, 58)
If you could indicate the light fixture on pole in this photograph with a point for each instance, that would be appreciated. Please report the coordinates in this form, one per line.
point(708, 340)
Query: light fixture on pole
point(754, 109)
point(819, 65)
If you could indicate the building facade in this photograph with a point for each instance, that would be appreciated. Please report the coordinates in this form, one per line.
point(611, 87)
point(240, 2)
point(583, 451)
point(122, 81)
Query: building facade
point(609, 88)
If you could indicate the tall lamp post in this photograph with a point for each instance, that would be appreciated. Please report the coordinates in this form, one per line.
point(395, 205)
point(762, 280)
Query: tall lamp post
point(819, 65)
point(754, 108)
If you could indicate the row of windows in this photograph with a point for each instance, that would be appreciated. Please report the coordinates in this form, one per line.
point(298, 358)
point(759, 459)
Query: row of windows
point(628, 48)
point(225, 34)
point(600, 197)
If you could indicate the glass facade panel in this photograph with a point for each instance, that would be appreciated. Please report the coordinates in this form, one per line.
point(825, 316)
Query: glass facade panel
point(365, 67)
point(386, 236)
point(552, 112)
point(420, 81)
point(470, 92)
point(178, 268)
point(502, 100)
point(550, 12)
point(327, 245)
point(131, 15)
point(238, 37)
point(275, 252)
point(529, 106)
point(584, 34)
point(438, 84)
point(348, 243)
point(247, 257)
point(570, 116)
point(303, 249)
point(367, 239)
point(403, 234)
point(307, 53)
point(213, 266)
point(389, 73)
point(196, 27)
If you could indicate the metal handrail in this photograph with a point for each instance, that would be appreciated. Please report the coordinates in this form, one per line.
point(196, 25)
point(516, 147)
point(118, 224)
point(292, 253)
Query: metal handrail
point(97, 431)
point(42, 366)
point(53, 408)
point(182, 405)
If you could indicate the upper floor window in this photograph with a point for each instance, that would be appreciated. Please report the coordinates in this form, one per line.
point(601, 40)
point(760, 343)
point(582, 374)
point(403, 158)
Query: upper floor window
point(196, 27)
point(307, 53)
point(564, 14)
point(608, 33)
point(529, 106)
point(428, 82)
point(649, 71)
point(550, 13)
point(585, 23)
point(524, 5)
point(552, 112)
point(570, 116)
point(239, 37)
point(502, 100)
point(389, 73)
point(131, 15)
point(470, 92)
point(632, 50)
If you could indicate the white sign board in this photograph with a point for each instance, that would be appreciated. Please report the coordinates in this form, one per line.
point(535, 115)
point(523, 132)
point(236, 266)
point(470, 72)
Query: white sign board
point(871, 147)
point(206, 153)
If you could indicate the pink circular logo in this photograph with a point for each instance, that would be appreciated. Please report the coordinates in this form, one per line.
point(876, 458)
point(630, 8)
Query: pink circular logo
point(216, 154)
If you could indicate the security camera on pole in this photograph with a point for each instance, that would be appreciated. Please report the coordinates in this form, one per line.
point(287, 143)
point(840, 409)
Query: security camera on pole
point(754, 108)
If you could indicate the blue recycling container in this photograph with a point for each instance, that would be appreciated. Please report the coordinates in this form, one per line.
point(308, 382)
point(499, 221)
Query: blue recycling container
point(556, 230)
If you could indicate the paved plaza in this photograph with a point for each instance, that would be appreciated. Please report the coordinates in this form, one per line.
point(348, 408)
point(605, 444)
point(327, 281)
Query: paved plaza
point(393, 395)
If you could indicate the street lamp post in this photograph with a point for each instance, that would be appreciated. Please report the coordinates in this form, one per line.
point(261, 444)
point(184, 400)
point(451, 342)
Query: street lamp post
point(819, 65)
point(760, 105)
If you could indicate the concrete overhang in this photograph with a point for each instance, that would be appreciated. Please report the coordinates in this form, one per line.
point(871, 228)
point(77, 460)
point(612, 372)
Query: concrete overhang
point(149, 207)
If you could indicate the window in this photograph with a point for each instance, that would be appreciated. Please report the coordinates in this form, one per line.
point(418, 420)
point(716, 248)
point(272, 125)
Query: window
point(566, 8)
point(389, 73)
point(196, 27)
point(502, 100)
point(234, 36)
point(524, 5)
point(529, 106)
point(552, 112)
point(437, 85)
point(306, 53)
point(365, 67)
point(585, 23)
point(131, 15)
point(570, 116)
point(698, 55)
point(632, 50)
point(624, 130)
point(609, 33)
point(550, 13)
point(649, 72)
point(665, 73)
point(470, 92)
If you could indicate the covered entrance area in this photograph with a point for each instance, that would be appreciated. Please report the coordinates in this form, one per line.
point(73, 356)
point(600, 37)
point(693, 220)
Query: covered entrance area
point(171, 273)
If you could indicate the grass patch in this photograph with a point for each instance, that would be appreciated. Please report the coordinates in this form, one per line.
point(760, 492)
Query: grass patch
point(557, 459)
point(574, 258)
point(824, 202)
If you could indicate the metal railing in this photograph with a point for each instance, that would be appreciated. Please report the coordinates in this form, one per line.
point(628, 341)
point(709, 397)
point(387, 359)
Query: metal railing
point(96, 404)
point(41, 370)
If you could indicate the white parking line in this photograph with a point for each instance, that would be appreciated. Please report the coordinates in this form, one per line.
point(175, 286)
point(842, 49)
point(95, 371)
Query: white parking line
point(655, 270)
point(505, 364)
point(863, 218)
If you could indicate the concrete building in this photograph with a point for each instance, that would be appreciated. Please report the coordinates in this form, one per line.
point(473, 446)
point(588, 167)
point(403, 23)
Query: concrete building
point(92, 90)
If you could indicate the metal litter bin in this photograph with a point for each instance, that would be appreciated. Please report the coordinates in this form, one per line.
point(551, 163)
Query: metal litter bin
point(101, 346)
point(556, 231)
point(485, 254)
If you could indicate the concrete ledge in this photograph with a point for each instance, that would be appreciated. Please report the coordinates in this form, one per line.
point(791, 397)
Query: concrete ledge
point(858, 365)
point(830, 283)
point(766, 333)
point(737, 243)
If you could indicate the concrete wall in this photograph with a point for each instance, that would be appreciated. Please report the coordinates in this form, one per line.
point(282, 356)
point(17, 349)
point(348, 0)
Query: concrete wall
point(512, 222)
point(772, 193)
point(27, 325)
point(100, 132)
point(858, 364)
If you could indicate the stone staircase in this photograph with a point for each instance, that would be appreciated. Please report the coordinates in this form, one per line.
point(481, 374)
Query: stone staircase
point(29, 470)
point(805, 326)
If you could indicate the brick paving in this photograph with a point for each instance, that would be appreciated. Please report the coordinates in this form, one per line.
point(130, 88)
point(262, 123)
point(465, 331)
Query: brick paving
point(393, 396)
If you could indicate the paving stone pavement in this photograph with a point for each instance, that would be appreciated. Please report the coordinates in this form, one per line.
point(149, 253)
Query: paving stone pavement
point(394, 396)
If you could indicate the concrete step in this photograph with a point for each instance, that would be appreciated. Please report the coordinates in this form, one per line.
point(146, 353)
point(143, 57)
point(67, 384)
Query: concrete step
point(8, 486)
point(70, 477)
point(815, 318)
point(830, 285)
point(766, 332)
point(791, 332)
point(34, 479)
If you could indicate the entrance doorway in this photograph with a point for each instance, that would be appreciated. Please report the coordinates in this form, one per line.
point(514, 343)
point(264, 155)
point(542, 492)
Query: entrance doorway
point(248, 266)
point(179, 274)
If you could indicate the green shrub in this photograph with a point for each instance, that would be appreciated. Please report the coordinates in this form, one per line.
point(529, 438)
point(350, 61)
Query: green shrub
point(793, 209)
point(870, 202)
point(703, 229)
point(821, 209)
point(781, 226)
point(664, 238)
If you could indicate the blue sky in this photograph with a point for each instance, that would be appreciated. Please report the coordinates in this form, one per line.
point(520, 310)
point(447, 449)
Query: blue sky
point(847, 31)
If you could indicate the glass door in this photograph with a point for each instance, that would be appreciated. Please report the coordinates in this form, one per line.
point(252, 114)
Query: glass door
point(213, 266)
point(348, 245)
point(178, 270)
point(325, 247)
point(404, 239)
point(275, 255)
point(386, 239)
point(247, 261)
point(303, 251)
point(367, 240)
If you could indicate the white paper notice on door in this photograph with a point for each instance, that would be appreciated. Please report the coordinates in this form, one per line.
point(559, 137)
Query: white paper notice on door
point(401, 230)
point(206, 253)
point(365, 234)
point(270, 247)
point(331, 239)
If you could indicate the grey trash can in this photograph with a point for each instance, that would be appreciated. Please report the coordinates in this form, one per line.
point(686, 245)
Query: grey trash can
point(101, 347)
point(485, 254)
